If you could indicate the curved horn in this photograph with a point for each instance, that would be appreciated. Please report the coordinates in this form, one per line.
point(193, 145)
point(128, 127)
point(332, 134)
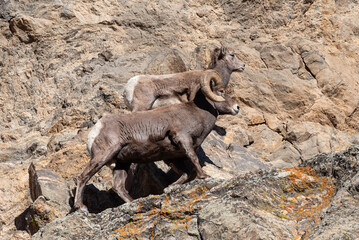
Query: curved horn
point(206, 79)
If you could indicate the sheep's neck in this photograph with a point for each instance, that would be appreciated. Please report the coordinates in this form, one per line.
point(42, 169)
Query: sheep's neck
point(223, 71)
point(202, 103)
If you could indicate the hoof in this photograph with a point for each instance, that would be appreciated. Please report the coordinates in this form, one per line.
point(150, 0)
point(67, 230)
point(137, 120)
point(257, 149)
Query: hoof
point(81, 208)
point(167, 189)
point(202, 176)
point(84, 209)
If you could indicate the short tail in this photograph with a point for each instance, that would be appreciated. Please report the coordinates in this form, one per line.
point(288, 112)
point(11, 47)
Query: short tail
point(95, 131)
point(128, 91)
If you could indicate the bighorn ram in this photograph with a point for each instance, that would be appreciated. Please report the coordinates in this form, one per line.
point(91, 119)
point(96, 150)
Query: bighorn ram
point(141, 92)
point(170, 133)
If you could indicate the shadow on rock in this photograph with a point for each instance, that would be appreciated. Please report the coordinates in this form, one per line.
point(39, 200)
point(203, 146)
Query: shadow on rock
point(220, 130)
point(98, 200)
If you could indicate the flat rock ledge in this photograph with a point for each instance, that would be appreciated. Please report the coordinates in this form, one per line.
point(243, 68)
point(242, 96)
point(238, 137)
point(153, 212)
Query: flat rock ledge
point(316, 200)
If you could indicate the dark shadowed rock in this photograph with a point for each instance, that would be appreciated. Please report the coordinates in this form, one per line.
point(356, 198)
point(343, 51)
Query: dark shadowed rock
point(39, 213)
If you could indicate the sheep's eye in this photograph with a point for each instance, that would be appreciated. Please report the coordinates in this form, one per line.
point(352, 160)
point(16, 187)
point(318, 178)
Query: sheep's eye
point(232, 55)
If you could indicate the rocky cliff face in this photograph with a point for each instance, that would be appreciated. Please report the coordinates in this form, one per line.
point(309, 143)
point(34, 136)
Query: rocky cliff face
point(63, 65)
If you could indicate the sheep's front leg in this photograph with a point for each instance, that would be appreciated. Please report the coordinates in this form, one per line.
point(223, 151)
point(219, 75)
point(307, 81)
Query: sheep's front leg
point(187, 144)
point(91, 168)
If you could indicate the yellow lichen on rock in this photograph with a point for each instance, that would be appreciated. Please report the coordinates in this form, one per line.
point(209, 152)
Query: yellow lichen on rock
point(305, 196)
point(177, 216)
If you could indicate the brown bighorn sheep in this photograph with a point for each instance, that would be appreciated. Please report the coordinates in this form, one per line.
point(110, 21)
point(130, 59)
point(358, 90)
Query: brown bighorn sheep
point(170, 133)
point(144, 92)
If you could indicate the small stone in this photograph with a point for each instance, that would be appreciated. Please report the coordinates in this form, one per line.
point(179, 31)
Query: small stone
point(107, 55)
point(67, 12)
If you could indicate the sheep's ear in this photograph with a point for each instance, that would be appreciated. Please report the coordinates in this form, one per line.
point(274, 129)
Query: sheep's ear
point(217, 52)
point(222, 53)
point(214, 57)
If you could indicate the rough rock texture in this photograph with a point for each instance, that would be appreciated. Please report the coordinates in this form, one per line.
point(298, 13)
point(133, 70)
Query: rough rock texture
point(277, 204)
point(340, 219)
point(48, 184)
point(63, 65)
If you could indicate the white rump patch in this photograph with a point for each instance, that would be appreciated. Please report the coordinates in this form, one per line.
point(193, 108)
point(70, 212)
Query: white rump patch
point(129, 90)
point(95, 131)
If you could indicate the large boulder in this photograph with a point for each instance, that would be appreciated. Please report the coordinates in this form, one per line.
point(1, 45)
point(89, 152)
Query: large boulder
point(51, 200)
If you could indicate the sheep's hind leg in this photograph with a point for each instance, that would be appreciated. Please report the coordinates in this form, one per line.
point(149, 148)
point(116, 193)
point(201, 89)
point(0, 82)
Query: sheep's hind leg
point(142, 105)
point(183, 176)
point(120, 175)
point(91, 168)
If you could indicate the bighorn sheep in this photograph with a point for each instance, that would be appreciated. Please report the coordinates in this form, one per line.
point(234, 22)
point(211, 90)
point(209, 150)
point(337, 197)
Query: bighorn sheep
point(170, 133)
point(144, 92)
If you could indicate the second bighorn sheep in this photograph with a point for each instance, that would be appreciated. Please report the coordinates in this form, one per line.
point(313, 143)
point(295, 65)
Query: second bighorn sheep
point(144, 92)
point(170, 133)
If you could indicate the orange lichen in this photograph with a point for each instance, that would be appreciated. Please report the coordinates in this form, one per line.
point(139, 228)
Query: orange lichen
point(298, 195)
point(305, 195)
point(176, 214)
point(130, 229)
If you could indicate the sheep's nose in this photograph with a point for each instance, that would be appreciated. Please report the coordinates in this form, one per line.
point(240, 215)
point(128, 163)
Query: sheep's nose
point(241, 69)
point(235, 109)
